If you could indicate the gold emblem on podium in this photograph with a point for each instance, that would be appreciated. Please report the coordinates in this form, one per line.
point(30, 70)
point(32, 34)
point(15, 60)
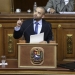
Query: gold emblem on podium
point(37, 55)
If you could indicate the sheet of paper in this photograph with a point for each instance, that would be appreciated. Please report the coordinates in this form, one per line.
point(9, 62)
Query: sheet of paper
point(67, 12)
point(37, 38)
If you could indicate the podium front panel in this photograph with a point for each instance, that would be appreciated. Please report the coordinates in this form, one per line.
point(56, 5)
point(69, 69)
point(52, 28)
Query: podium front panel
point(37, 56)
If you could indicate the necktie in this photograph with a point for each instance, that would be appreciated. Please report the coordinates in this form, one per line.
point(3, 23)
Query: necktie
point(36, 27)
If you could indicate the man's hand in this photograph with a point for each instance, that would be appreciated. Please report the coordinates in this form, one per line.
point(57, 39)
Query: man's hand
point(19, 22)
point(52, 11)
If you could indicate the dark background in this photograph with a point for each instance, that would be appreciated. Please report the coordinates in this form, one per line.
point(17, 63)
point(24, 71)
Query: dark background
point(24, 5)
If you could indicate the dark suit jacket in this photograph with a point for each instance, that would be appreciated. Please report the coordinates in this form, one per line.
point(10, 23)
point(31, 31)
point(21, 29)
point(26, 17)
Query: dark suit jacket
point(27, 29)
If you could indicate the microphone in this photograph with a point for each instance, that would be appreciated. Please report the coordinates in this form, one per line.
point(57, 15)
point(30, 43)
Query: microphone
point(26, 29)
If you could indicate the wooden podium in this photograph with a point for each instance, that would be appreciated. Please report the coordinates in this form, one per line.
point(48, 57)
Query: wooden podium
point(37, 56)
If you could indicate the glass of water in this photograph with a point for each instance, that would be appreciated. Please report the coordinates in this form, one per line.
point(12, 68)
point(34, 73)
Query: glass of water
point(3, 59)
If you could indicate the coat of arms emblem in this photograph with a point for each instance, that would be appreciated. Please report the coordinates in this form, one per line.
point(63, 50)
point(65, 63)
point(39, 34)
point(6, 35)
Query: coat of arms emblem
point(37, 55)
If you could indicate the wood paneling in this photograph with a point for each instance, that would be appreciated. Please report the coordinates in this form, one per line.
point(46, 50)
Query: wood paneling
point(62, 26)
point(5, 6)
point(7, 29)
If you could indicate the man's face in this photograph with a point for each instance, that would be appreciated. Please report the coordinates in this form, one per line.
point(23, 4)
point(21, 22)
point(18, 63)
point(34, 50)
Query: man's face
point(38, 13)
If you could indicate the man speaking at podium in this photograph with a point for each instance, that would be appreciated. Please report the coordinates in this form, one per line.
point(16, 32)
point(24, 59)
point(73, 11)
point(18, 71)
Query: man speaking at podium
point(36, 25)
point(56, 6)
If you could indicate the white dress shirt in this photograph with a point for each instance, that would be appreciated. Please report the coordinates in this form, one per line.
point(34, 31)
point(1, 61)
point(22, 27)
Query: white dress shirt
point(66, 2)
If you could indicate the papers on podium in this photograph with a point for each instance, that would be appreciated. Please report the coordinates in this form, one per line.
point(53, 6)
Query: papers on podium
point(37, 38)
point(67, 12)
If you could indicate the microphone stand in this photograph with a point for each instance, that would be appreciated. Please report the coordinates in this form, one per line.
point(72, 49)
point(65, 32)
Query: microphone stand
point(25, 30)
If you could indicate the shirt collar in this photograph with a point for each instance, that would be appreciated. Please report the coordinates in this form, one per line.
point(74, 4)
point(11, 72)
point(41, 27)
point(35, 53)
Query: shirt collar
point(40, 22)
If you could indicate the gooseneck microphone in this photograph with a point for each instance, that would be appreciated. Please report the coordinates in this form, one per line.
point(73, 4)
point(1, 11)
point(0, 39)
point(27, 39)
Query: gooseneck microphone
point(26, 29)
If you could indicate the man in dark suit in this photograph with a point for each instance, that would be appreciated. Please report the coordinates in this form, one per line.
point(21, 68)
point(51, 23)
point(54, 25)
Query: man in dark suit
point(27, 28)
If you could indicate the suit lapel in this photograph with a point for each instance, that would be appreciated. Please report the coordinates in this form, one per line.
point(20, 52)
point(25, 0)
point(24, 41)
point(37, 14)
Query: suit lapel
point(43, 26)
point(62, 6)
point(32, 27)
point(59, 6)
